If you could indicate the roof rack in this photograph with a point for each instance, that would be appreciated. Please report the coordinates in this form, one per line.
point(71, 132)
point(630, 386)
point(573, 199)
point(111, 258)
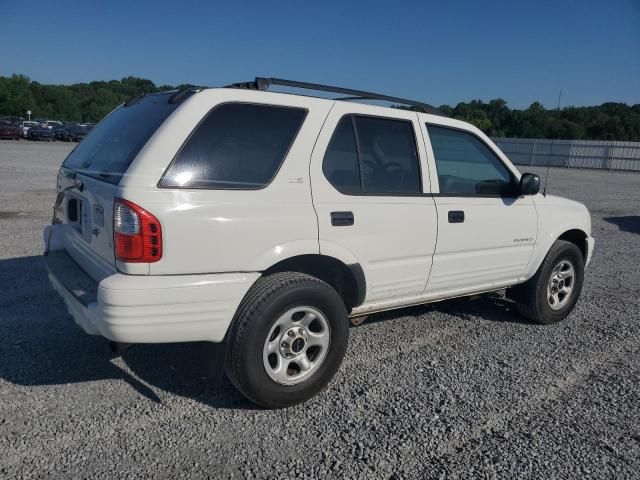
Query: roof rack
point(262, 83)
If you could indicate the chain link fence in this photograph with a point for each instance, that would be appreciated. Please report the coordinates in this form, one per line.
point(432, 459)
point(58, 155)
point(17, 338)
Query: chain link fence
point(572, 153)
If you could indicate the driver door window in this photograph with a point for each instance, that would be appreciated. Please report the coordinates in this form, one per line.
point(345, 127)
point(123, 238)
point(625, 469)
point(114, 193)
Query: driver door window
point(466, 166)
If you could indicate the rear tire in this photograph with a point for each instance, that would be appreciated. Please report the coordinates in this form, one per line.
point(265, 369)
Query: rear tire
point(287, 339)
point(551, 294)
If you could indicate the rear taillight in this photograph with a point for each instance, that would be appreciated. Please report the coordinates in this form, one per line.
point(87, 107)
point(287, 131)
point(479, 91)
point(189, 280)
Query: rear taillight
point(137, 234)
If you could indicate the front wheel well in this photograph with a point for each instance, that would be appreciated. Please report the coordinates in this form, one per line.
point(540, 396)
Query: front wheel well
point(578, 238)
point(347, 280)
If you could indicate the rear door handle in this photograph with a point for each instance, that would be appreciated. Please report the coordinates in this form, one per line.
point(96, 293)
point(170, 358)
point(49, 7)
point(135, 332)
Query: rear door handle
point(456, 216)
point(341, 219)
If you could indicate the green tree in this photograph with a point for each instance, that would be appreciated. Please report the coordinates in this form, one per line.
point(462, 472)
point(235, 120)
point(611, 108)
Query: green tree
point(90, 102)
point(15, 95)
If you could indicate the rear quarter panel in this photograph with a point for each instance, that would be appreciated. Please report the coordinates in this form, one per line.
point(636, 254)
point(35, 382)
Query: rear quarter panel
point(209, 231)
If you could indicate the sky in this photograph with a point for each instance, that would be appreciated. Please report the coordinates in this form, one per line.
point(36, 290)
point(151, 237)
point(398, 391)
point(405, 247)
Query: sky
point(438, 52)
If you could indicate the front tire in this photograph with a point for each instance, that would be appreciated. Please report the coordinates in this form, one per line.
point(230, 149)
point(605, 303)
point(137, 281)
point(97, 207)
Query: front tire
point(551, 294)
point(287, 339)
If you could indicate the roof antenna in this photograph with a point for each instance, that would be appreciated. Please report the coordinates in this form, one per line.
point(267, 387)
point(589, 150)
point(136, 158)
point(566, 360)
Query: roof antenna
point(546, 178)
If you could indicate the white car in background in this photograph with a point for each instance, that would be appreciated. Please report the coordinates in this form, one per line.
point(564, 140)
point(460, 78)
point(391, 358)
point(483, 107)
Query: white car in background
point(25, 125)
point(52, 124)
point(266, 220)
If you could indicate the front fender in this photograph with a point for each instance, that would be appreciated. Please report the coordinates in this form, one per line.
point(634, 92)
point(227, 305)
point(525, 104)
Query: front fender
point(556, 216)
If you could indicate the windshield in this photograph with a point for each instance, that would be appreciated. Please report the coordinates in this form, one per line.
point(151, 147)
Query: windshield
point(112, 145)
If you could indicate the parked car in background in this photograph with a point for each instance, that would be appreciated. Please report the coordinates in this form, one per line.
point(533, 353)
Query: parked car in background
point(25, 125)
point(9, 130)
point(60, 132)
point(39, 132)
point(71, 133)
point(10, 118)
point(52, 124)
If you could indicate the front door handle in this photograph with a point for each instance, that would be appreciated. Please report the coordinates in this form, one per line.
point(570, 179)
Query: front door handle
point(341, 219)
point(456, 216)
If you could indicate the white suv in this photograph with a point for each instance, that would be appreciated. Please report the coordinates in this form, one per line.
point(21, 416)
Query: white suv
point(266, 220)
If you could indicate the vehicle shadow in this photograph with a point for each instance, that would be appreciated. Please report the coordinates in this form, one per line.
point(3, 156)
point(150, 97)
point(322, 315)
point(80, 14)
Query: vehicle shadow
point(629, 223)
point(41, 345)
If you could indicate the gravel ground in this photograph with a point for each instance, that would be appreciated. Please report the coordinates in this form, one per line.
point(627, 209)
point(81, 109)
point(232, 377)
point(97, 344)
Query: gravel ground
point(456, 389)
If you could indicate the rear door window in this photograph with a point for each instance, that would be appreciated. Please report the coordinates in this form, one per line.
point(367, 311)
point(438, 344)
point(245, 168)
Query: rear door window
point(373, 156)
point(236, 146)
point(115, 142)
point(340, 165)
point(388, 156)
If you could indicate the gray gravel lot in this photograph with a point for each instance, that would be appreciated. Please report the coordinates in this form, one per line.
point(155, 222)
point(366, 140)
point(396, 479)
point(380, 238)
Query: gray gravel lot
point(456, 389)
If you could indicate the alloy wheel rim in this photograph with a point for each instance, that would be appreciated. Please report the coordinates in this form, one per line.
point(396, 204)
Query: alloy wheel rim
point(296, 346)
point(561, 285)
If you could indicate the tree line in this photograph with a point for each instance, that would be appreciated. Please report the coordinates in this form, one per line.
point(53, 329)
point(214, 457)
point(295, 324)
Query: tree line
point(80, 102)
point(89, 102)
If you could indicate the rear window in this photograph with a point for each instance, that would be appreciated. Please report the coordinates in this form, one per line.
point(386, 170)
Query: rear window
point(114, 143)
point(236, 146)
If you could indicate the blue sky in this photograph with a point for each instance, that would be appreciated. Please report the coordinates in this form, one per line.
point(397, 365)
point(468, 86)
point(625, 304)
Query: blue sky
point(438, 52)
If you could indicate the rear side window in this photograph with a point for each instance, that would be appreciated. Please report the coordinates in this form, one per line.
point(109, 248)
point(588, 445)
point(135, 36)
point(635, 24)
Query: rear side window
point(466, 166)
point(114, 143)
point(373, 156)
point(236, 146)
point(340, 165)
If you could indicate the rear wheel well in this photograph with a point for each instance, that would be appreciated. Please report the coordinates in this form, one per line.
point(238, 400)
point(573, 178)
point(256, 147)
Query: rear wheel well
point(347, 280)
point(577, 237)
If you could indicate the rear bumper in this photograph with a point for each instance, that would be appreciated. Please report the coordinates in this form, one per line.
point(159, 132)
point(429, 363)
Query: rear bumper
point(149, 309)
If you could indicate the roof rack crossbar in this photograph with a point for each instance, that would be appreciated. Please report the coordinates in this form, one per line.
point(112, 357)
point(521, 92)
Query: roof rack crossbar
point(262, 83)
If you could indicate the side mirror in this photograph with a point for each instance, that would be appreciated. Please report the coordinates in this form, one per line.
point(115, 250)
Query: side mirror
point(529, 184)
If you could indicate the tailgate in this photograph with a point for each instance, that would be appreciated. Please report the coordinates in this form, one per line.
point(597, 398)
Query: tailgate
point(90, 175)
point(86, 216)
